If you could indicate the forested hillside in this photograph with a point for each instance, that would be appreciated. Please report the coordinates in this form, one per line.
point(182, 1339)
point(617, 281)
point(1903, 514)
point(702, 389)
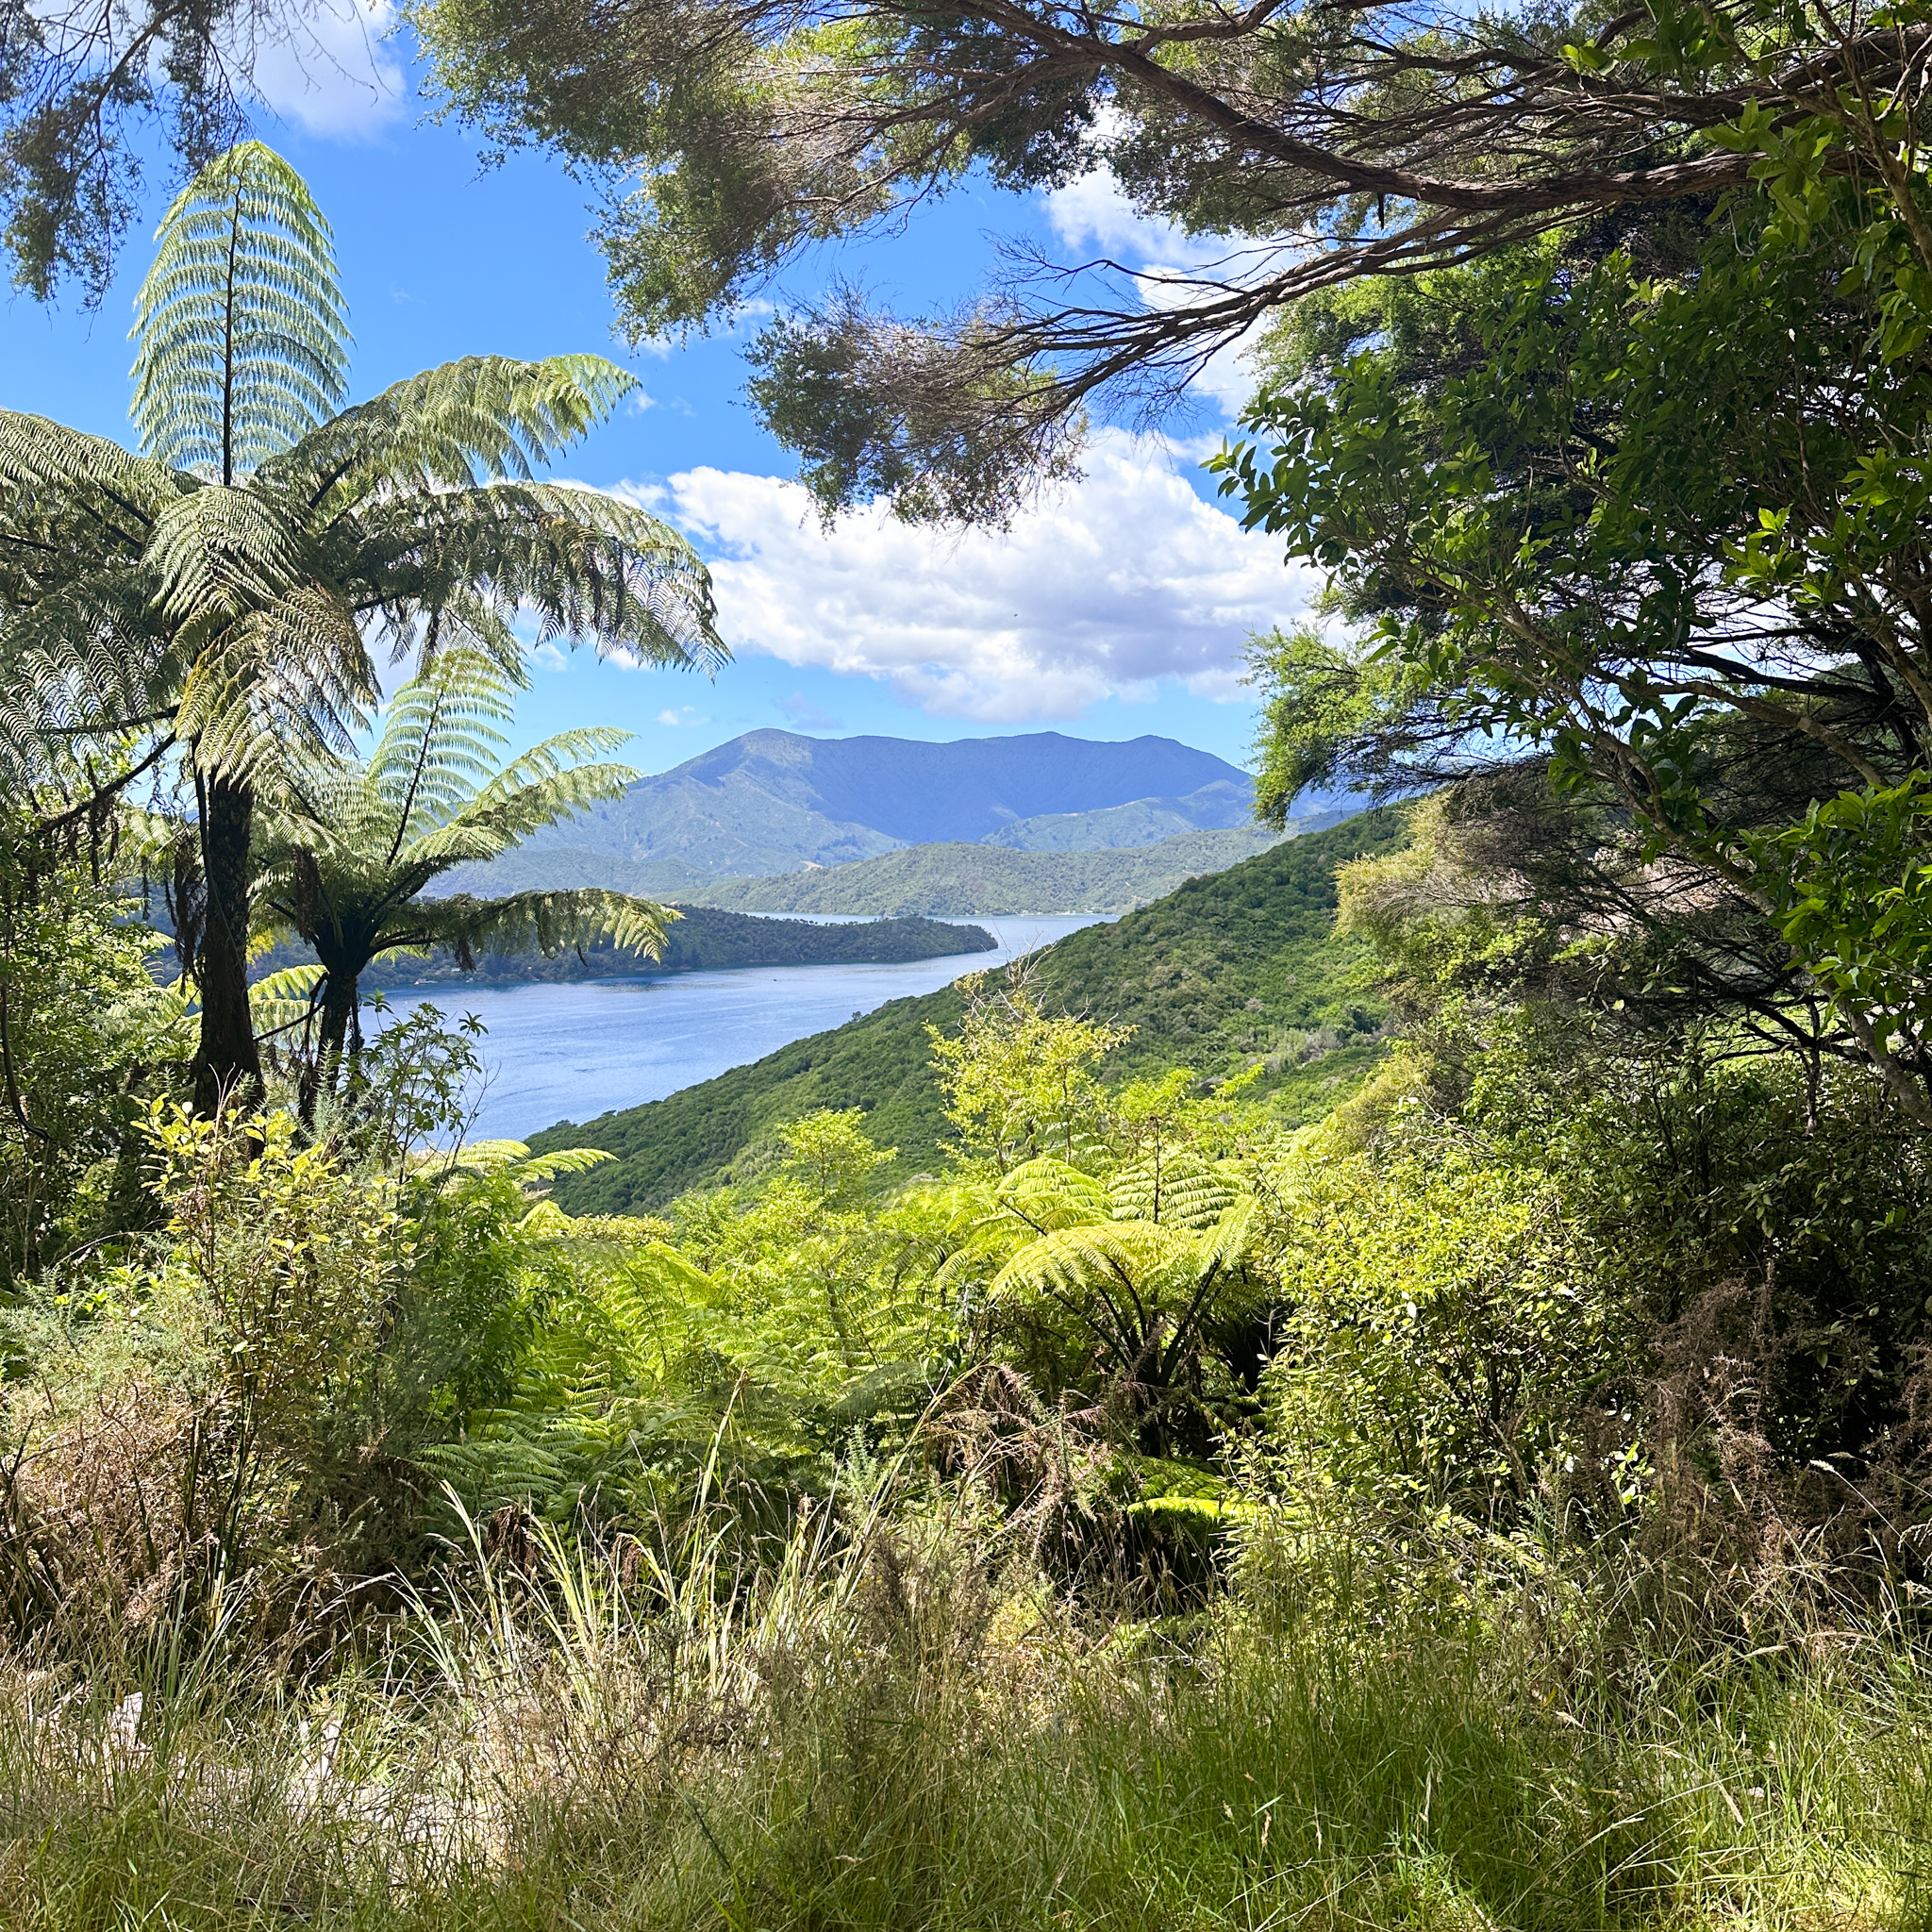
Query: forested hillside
point(964, 879)
point(1240, 966)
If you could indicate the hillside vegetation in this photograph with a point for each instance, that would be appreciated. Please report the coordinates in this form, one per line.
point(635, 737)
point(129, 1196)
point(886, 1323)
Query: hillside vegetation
point(965, 879)
point(1242, 967)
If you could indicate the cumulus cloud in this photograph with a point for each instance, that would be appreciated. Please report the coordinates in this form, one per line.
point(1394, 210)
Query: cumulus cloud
point(683, 715)
point(1093, 212)
point(335, 76)
point(1124, 578)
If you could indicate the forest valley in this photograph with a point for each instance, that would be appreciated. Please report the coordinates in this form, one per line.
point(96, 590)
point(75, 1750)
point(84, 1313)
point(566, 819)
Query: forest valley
point(1496, 1496)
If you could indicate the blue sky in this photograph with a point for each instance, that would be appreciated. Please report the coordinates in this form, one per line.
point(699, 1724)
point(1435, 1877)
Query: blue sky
point(1116, 609)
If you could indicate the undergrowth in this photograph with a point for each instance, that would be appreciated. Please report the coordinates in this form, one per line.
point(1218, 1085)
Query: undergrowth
point(899, 1727)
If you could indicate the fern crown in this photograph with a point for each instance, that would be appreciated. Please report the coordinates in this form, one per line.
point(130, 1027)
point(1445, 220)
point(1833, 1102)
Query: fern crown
point(227, 591)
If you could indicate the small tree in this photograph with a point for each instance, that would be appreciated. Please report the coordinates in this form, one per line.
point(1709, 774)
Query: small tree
point(348, 847)
point(1018, 1082)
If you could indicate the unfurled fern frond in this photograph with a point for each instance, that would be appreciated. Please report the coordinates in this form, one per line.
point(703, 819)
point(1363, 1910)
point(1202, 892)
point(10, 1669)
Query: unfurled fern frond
point(479, 419)
point(586, 566)
point(481, 1160)
point(241, 330)
point(1179, 1189)
point(594, 1420)
point(1129, 1254)
point(546, 923)
point(1046, 1192)
point(278, 1001)
point(104, 498)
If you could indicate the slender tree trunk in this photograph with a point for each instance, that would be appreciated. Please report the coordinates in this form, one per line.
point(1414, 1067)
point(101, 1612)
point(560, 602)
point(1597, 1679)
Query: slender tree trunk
point(227, 1063)
point(338, 1009)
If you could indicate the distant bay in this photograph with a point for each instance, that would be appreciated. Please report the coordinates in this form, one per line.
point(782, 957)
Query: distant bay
point(576, 1050)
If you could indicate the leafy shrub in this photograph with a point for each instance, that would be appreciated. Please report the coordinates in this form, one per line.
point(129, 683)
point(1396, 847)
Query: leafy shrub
point(1447, 1339)
point(197, 1416)
point(82, 1024)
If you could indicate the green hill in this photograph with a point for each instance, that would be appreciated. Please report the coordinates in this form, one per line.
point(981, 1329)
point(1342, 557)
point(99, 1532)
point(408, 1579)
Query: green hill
point(963, 880)
point(1239, 966)
point(954, 879)
point(1142, 822)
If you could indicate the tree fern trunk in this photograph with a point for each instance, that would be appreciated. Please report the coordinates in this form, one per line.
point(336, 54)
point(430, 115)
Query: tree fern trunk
point(338, 1009)
point(227, 1063)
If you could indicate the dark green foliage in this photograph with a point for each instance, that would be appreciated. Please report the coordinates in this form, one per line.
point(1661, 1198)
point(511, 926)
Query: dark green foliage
point(78, 1043)
point(1314, 145)
point(1769, 1235)
point(1181, 973)
point(1643, 513)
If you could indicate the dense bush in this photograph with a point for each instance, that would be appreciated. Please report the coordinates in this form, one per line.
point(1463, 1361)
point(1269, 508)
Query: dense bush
point(1450, 1510)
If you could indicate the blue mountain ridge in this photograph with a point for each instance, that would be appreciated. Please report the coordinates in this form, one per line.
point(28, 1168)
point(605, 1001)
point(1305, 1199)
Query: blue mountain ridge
point(773, 801)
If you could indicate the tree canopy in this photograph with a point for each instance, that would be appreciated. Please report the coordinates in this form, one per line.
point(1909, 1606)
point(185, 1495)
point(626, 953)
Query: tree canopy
point(1647, 508)
point(1301, 146)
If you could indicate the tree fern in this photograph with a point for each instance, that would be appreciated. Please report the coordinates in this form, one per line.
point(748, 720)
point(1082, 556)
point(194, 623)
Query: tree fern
point(224, 592)
point(348, 847)
point(598, 1419)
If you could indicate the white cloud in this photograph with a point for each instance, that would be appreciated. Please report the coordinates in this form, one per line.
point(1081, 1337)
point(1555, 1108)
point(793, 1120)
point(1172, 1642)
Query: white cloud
point(1093, 212)
point(550, 658)
point(683, 715)
point(1122, 579)
point(334, 76)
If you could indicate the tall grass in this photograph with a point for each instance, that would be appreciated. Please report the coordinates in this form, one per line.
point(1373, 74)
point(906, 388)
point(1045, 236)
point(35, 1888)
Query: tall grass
point(886, 1728)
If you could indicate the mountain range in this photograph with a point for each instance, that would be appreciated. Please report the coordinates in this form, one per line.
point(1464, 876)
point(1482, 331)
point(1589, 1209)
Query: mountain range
point(774, 802)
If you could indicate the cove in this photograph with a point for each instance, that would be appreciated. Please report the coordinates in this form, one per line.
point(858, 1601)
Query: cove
point(574, 1050)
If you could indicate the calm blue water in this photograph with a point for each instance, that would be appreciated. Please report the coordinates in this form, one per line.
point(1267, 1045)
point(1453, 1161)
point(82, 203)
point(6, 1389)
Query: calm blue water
point(558, 1053)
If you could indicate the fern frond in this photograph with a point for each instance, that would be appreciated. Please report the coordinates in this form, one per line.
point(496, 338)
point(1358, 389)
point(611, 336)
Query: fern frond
point(479, 419)
point(1047, 1192)
point(586, 566)
point(546, 923)
point(1126, 1253)
point(1179, 1189)
point(109, 496)
point(284, 999)
point(241, 330)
